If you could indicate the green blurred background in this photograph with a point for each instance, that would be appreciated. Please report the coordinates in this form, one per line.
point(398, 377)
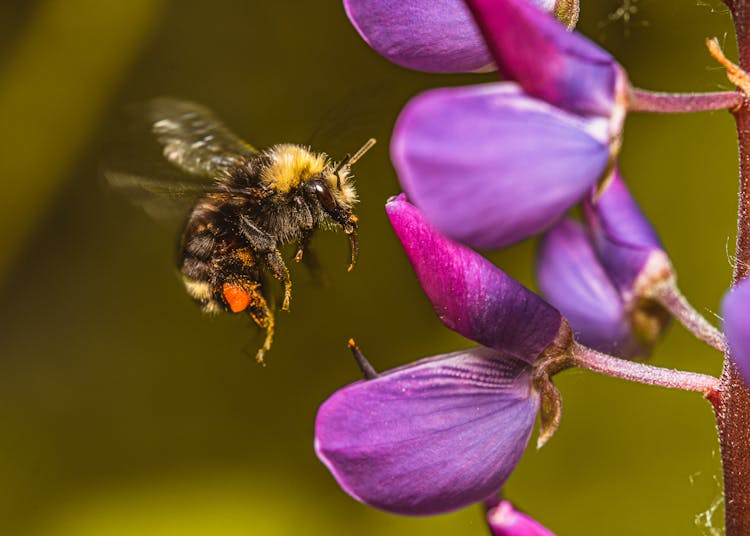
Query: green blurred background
point(123, 411)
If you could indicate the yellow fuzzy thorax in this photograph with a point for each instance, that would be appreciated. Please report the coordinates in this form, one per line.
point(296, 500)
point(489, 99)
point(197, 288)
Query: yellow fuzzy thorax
point(291, 165)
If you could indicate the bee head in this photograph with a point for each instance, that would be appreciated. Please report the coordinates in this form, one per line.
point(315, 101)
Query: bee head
point(337, 202)
point(335, 191)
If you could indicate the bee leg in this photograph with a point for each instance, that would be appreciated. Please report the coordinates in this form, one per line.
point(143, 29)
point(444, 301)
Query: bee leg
point(263, 317)
point(258, 238)
point(302, 245)
point(307, 226)
point(307, 256)
point(278, 269)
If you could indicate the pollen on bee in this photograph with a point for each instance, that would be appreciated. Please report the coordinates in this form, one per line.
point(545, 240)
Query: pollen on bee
point(237, 297)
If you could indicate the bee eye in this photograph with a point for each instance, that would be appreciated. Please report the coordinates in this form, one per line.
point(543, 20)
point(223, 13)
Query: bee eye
point(325, 196)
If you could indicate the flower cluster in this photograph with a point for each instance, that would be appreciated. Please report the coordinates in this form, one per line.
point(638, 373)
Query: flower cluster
point(521, 153)
point(485, 166)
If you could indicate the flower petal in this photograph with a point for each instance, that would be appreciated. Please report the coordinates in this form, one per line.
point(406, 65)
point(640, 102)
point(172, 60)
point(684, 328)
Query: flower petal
point(625, 241)
point(549, 62)
point(431, 437)
point(735, 309)
point(490, 166)
point(471, 295)
point(572, 279)
point(505, 520)
point(427, 35)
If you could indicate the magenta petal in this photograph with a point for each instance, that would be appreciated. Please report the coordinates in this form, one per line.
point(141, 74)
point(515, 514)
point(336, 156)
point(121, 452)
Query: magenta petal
point(427, 35)
point(431, 437)
point(572, 279)
point(735, 309)
point(490, 166)
point(470, 294)
point(505, 520)
point(624, 238)
point(551, 63)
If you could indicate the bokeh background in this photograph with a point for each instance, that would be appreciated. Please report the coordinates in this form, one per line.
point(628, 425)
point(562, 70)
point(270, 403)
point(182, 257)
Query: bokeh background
point(124, 411)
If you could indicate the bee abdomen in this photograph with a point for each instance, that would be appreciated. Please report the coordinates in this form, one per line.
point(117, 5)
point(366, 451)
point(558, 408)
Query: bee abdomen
point(203, 294)
point(200, 246)
point(195, 268)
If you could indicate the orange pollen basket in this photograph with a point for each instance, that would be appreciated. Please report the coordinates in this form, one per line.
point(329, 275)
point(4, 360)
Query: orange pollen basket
point(236, 296)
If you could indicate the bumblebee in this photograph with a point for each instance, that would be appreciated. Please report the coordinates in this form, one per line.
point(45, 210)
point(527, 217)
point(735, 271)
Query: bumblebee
point(257, 201)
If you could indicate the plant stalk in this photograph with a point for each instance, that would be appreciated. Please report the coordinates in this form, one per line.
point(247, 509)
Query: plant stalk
point(732, 406)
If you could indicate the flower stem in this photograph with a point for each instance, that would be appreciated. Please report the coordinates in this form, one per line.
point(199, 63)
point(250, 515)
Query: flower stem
point(669, 296)
point(590, 359)
point(642, 100)
point(732, 406)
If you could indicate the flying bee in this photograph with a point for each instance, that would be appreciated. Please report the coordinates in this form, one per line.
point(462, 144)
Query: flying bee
point(256, 201)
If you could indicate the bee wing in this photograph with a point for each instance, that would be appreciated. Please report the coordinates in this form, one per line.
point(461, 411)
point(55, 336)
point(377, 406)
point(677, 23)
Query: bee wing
point(165, 200)
point(194, 139)
point(356, 116)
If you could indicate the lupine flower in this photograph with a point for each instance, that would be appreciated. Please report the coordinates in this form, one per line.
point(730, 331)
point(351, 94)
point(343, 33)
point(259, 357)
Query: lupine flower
point(504, 520)
point(627, 244)
point(492, 164)
point(447, 431)
point(432, 35)
point(599, 275)
point(737, 325)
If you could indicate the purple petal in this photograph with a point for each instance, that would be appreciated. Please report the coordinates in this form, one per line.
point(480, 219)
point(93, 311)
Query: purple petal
point(551, 63)
point(735, 309)
point(505, 520)
point(572, 279)
point(430, 437)
point(438, 36)
point(490, 166)
point(427, 35)
point(624, 238)
point(471, 295)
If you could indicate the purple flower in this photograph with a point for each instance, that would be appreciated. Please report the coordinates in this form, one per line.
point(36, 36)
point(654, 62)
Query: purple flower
point(492, 164)
point(735, 309)
point(599, 275)
point(489, 165)
point(505, 520)
point(431, 35)
point(447, 431)
point(627, 244)
point(549, 62)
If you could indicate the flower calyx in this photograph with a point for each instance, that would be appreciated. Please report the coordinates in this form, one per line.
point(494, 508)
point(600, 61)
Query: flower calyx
point(554, 359)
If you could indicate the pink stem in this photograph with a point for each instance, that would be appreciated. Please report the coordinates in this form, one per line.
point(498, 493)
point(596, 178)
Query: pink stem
point(639, 372)
point(642, 100)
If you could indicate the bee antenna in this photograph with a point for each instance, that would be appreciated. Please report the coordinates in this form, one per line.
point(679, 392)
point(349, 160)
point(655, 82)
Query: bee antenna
point(339, 167)
point(350, 160)
point(361, 152)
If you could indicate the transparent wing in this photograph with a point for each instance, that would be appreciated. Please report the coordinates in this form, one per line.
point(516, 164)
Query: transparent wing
point(357, 116)
point(194, 139)
point(164, 200)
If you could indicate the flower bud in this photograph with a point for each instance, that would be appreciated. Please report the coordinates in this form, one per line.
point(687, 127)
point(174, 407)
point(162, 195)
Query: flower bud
point(505, 520)
point(625, 241)
point(604, 277)
point(734, 309)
